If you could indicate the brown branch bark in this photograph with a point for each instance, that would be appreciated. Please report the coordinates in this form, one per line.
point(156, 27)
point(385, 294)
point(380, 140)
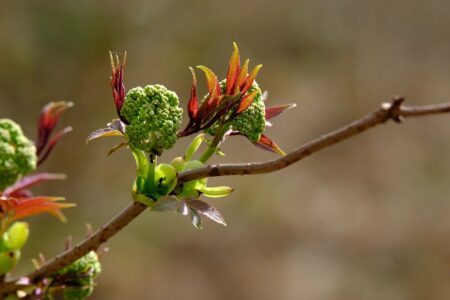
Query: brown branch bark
point(389, 111)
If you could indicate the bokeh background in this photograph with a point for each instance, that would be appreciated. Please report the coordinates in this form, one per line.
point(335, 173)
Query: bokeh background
point(366, 219)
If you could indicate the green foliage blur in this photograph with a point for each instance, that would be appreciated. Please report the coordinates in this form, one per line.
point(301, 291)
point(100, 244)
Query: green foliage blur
point(367, 219)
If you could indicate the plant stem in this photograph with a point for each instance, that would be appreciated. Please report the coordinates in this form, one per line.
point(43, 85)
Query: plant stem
point(212, 148)
point(150, 176)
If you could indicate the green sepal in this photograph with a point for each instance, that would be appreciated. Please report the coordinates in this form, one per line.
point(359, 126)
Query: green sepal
point(138, 196)
point(8, 259)
point(216, 192)
point(178, 163)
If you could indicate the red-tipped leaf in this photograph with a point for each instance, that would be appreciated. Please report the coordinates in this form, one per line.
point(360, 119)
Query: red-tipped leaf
point(30, 180)
point(243, 74)
point(118, 87)
point(273, 111)
point(211, 81)
point(233, 69)
point(193, 101)
point(250, 79)
point(246, 101)
point(50, 115)
point(52, 143)
point(267, 144)
point(26, 207)
point(103, 132)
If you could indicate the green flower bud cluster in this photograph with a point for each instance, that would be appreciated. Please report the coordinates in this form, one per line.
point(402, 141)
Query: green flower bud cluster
point(154, 118)
point(78, 277)
point(17, 153)
point(11, 242)
point(252, 121)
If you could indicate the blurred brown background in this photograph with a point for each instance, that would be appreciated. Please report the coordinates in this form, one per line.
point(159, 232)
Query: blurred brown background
point(366, 219)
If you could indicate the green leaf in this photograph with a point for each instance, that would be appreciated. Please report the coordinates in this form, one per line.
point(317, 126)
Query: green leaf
point(193, 147)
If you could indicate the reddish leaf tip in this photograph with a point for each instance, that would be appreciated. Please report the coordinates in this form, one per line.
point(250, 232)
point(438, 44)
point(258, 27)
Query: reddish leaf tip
point(233, 69)
point(266, 143)
point(251, 78)
point(211, 81)
point(273, 111)
point(247, 101)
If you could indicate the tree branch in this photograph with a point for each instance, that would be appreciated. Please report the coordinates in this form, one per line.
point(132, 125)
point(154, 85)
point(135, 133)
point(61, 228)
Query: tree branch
point(103, 234)
point(389, 111)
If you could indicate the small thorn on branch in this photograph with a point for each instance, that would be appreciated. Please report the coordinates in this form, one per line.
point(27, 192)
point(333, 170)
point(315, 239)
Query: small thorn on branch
point(393, 108)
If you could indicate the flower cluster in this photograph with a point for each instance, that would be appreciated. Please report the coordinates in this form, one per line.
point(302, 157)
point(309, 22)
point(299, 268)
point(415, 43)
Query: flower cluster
point(153, 117)
point(235, 106)
point(149, 119)
point(17, 153)
point(18, 157)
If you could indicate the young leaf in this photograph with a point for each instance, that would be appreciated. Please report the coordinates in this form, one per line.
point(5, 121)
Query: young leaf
point(233, 69)
point(30, 180)
point(196, 219)
point(193, 147)
point(182, 208)
point(240, 80)
point(103, 132)
point(273, 111)
point(267, 144)
point(167, 203)
point(207, 210)
point(193, 101)
point(251, 78)
point(246, 101)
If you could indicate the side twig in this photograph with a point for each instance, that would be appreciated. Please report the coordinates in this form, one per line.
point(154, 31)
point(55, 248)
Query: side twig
point(389, 111)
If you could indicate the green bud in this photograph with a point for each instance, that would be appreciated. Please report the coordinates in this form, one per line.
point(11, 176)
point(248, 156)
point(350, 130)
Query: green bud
point(8, 259)
point(178, 163)
point(16, 236)
point(136, 193)
point(165, 179)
